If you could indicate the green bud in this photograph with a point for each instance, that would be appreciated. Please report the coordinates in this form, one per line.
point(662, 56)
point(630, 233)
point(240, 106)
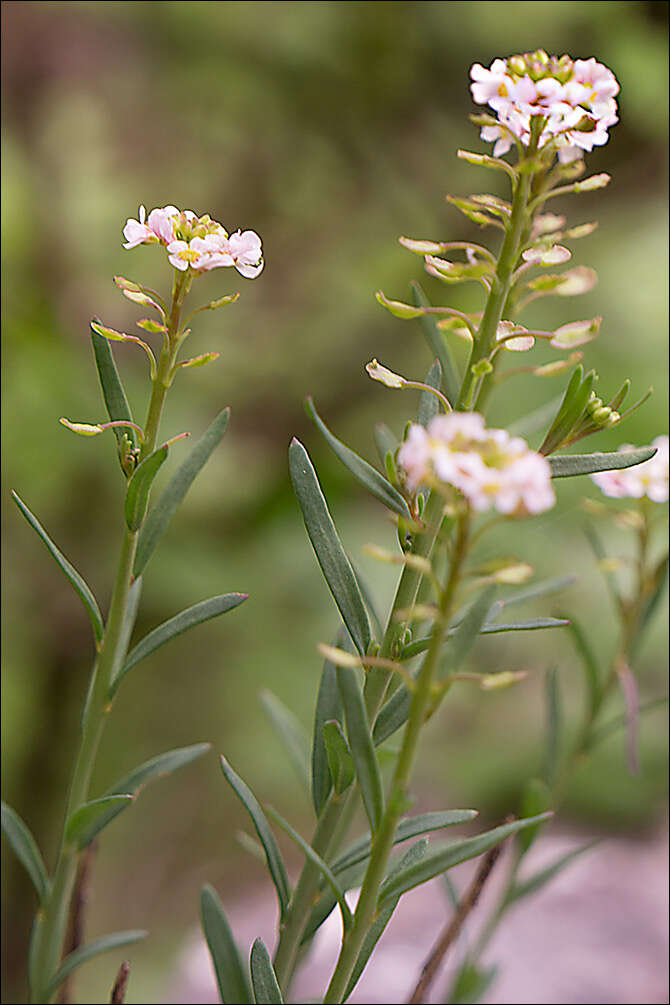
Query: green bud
point(223, 301)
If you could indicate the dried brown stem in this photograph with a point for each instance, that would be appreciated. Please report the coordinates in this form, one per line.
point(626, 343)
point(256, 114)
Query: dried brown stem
point(453, 928)
point(120, 984)
point(79, 901)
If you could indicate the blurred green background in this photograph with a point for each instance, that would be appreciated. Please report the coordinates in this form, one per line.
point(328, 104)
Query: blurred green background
point(331, 129)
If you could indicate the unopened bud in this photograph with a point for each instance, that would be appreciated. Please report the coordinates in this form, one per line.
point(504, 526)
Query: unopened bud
point(223, 301)
point(126, 284)
point(592, 183)
point(498, 681)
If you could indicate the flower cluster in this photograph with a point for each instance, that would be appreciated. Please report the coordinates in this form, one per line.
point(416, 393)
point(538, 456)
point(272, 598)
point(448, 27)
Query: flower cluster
point(196, 242)
point(649, 479)
point(573, 99)
point(488, 466)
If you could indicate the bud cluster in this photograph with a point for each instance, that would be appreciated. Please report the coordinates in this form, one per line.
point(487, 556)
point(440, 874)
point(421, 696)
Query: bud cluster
point(572, 101)
point(195, 242)
point(488, 466)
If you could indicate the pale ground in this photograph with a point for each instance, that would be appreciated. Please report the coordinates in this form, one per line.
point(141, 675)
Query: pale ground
point(596, 935)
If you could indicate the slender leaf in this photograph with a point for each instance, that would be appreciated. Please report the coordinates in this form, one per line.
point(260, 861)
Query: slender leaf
point(471, 984)
point(536, 798)
point(230, 971)
point(368, 476)
point(127, 629)
point(439, 860)
point(461, 642)
point(438, 344)
point(102, 945)
point(116, 402)
point(290, 732)
point(554, 725)
point(316, 860)
point(489, 628)
point(177, 625)
point(25, 848)
point(327, 902)
point(567, 465)
point(392, 715)
point(139, 486)
point(543, 589)
point(158, 767)
point(385, 441)
point(340, 763)
point(369, 603)
point(265, 835)
point(408, 828)
point(328, 707)
point(572, 407)
point(331, 556)
point(263, 977)
point(429, 404)
point(361, 745)
point(70, 572)
point(590, 666)
point(93, 816)
point(659, 580)
point(539, 879)
point(166, 505)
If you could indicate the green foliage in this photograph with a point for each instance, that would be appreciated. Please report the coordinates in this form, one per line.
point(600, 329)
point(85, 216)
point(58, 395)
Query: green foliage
point(230, 972)
point(139, 486)
point(328, 708)
point(567, 465)
point(87, 821)
point(113, 391)
point(76, 959)
point(361, 745)
point(25, 848)
point(263, 977)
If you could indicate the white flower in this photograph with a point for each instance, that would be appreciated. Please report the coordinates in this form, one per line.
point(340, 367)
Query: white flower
point(574, 99)
point(649, 479)
point(247, 254)
point(137, 232)
point(490, 468)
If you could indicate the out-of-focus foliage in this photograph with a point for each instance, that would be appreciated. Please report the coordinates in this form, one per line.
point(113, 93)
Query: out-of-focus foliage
point(331, 129)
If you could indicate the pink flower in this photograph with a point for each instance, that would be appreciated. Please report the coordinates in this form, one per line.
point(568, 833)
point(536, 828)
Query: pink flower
point(649, 479)
point(245, 249)
point(487, 466)
point(137, 232)
point(160, 222)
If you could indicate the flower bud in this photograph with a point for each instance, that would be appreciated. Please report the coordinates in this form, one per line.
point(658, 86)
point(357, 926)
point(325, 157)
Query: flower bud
point(592, 183)
point(498, 681)
point(126, 284)
point(223, 301)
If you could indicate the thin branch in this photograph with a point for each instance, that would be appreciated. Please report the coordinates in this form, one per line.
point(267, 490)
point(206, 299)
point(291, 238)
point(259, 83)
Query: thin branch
point(453, 928)
point(120, 984)
point(79, 902)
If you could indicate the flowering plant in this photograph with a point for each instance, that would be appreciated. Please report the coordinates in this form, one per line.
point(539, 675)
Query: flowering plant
point(439, 480)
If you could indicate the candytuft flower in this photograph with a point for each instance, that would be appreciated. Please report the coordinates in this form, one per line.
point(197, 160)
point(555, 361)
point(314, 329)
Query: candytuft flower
point(648, 479)
point(197, 243)
point(572, 99)
point(488, 467)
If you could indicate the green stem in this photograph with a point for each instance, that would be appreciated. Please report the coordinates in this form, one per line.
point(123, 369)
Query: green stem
point(331, 825)
point(49, 931)
point(382, 842)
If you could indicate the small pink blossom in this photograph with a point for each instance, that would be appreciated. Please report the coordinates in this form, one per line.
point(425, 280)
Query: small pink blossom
point(246, 251)
point(488, 467)
point(137, 232)
point(649, 479)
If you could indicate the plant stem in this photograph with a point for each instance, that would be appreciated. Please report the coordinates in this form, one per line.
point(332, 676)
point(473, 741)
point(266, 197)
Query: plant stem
point(382, 842)
point(331, 825)
point(52, 919)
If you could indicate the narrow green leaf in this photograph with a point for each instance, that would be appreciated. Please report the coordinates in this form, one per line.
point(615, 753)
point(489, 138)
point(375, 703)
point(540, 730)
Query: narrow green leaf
point(93, 816)
point(158, 767)
point(127, 629)
point(331, 556)
point(392, 715)
point(328, 707)
point(139, 486)
point(163, 510)
point(658, 582)
point(567, 465)
point(264, 980)
point(465, 635)
point(368, 476)
point(361, 745)
point(25, 848)
point(290, 732)
point(177, 625)
point(574, 402)
point(490, 628)
point(536, 798)
point(554, 725)
point(539, 879)
point(327, 902)
point(542, 589)
point(438, 344)
point(265, 835)
point(385, 440)
point(408, 828)
point(340, 763)
point(590, 666)
point(471, 984)
point(102, 945)
point(230, 971)
point(116, 402)
point(316, 859)
point(70, 572)
point(439, 860)
point(429, 404)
